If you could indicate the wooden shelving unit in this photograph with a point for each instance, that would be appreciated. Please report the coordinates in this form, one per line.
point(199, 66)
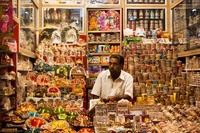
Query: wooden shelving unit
point(27, 53)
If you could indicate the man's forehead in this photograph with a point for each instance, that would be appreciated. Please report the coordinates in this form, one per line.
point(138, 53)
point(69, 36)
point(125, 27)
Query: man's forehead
point(114, 59)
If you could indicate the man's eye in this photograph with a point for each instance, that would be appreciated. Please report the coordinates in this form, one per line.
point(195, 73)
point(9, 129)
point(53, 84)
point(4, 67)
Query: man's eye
point(111, 63)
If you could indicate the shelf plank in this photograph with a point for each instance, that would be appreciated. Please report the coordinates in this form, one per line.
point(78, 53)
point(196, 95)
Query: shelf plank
point(189, 53)
point(98, 64)
point(108, 31)
point(197, 69)
point(27, 53)
point(93, 76)
point(103, 42)
point(100, 54)
point(23, 70)
point(11, 95)
point(7, 79)
point(2, 66)
point(6, 111)
point(194, 85)
point(6, 51)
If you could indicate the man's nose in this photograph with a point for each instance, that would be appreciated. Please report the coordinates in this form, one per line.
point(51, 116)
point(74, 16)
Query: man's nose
point(111, 65)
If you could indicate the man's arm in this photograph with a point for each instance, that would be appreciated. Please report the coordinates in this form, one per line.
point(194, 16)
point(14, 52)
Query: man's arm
point(96, 90)
point(95, 97)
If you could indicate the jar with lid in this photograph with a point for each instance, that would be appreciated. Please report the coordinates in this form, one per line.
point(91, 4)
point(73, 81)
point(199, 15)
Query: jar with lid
point(168, 63)
point(145, 25)
point(167, 101)
point(156, 14)
point(158, 56)
point(156, 76)
point(152, 56)
point(133, 25)
point(130, 15)
point(153, 45)
point(137, 91)
point(153, 68)
point(156, 25)
point(131, 68)
point(163, 63)
point(165, 89)
point(135, 14)
point(151, 76)
point(147, 57)
point(141, 14)
point(139, 76)
point(169, 54)
point(159, 89)
point(162, 14)
point(145, 76)
point(147, 14)
point(152, 14)
point(143, 88)
point(192, 100)
point(173, 63)
point(143, 46)
point(161, 24)
point(171, 90)
point(141, 23)
point(149, 88)
point(154, 89)
point(151, 25)
point(168, 76)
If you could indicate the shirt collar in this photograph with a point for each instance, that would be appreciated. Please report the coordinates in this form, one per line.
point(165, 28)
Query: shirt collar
point(121, 76)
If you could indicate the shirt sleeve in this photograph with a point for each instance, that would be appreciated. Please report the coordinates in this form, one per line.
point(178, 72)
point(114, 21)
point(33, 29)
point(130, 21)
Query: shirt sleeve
point(96, 90)
point(129, 86)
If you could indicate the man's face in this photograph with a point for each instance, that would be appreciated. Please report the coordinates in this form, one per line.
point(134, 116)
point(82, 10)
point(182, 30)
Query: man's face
point(114, 66)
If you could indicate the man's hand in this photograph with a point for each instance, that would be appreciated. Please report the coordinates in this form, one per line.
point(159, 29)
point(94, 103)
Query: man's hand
point(117, 98)
point(113, 98)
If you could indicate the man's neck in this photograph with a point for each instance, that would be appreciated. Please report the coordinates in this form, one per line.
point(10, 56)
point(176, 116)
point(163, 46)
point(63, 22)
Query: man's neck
point(114, 77)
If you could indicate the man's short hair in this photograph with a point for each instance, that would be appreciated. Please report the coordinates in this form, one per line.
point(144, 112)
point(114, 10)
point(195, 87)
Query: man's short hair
point(119, 57)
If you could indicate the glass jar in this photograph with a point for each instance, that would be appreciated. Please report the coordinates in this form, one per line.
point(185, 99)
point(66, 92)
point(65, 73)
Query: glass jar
point(141, 14)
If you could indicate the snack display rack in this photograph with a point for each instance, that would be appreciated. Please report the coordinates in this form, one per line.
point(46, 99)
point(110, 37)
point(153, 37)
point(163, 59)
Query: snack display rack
point(104, 37)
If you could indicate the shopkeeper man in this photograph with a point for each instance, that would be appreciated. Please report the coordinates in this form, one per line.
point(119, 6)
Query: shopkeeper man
point(114, 84)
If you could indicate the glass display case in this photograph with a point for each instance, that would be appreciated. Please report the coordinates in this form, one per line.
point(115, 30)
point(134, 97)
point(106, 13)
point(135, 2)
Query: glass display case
point(63, 2)
point(145, 1)
point(149, 19)
point(57, 17)
point(27, 27)
point(186, 24)
point(27, 17)
point(117, 2)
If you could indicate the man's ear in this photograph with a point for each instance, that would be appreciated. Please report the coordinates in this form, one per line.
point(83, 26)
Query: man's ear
point(122, 66)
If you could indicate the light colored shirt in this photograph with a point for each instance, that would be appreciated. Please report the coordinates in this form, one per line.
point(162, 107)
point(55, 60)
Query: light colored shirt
point(105, 86)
